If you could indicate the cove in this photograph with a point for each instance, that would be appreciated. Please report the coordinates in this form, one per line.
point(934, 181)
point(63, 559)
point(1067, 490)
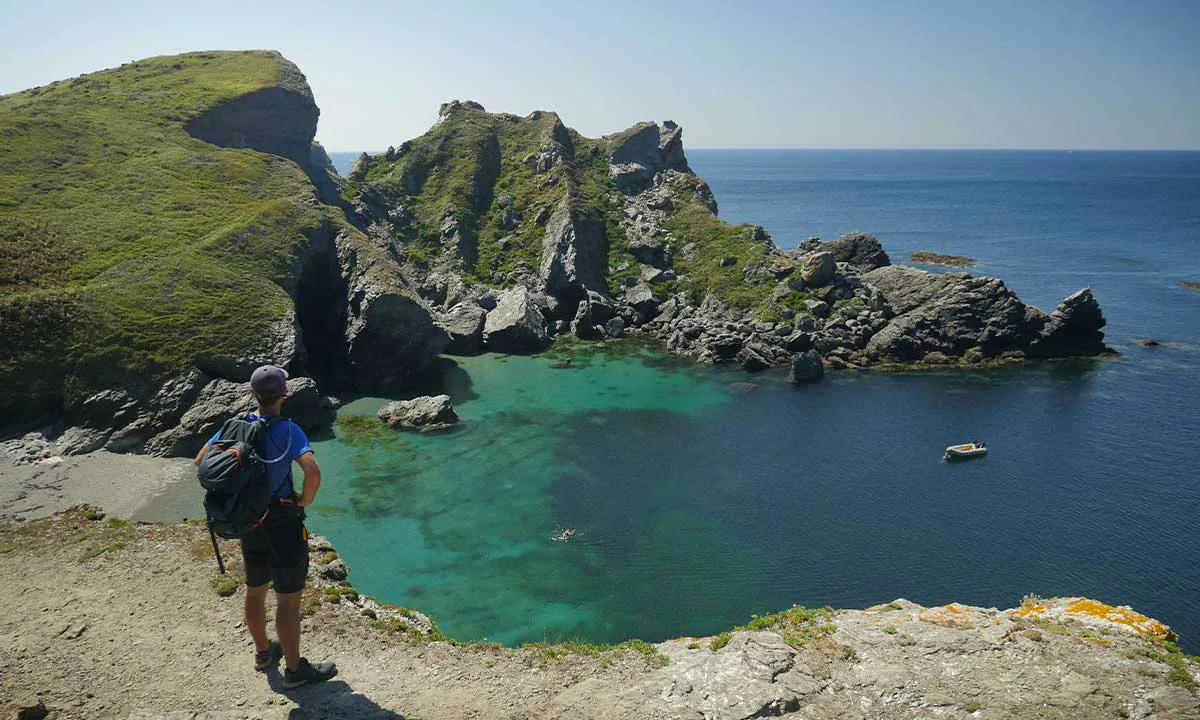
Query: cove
point(702, 495)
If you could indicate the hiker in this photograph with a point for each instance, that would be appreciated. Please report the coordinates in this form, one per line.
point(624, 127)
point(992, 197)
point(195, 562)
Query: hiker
point(276, 549)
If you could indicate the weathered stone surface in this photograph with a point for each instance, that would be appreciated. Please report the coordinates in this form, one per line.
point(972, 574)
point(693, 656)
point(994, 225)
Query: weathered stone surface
point(516, 325)
point(306, 406)
point(949, 313)
point(818, 269)
point(806, 367)
point(390, 336)
point(1073, 328)
point(464, 323)
point(574, 255)
point(424, 413)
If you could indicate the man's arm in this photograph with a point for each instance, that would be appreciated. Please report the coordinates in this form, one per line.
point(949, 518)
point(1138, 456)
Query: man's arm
point(312, 479)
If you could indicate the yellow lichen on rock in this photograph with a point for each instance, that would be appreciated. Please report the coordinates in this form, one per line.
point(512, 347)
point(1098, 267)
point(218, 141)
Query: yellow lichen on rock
point(1096, 614)
point(952, 615)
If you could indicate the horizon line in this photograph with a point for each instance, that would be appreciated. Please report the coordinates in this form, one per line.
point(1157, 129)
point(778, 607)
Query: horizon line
point(898, 149)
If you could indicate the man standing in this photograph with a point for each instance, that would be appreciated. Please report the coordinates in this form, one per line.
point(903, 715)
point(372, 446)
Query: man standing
point(277, 551)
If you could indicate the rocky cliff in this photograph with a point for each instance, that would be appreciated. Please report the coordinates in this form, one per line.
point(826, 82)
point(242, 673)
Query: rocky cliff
point(166, 228)
point(518, 230)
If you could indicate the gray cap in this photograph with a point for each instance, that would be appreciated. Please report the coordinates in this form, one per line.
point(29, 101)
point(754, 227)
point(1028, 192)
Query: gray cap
point(269, 380)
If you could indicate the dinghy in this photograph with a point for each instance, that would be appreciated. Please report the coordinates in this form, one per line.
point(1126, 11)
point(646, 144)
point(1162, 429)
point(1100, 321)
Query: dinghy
point(965, 451)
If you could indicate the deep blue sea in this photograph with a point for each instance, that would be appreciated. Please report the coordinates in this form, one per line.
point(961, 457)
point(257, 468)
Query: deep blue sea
point(704, 495)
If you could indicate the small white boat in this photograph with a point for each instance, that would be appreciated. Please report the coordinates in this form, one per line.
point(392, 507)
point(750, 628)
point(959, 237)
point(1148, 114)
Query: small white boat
point(965, 451)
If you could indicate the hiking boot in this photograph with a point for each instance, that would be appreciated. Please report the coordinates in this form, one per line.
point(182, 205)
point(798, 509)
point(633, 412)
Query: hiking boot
point(307, 673)
point(267, 658)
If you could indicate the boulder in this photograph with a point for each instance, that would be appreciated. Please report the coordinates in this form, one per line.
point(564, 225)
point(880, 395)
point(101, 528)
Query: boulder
point(423, 413)
point(463, 323)
point(806, 367)
point(306, 406)
point(818, 269)
point(641, 298)
point(862, 250)
point(817, 308)
point(516, 325)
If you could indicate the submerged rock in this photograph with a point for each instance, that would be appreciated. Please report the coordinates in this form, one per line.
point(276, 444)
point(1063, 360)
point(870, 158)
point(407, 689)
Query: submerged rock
point(424, 413)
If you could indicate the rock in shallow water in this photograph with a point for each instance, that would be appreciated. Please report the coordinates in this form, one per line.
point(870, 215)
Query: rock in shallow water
point(424, 413)
point(807, 367)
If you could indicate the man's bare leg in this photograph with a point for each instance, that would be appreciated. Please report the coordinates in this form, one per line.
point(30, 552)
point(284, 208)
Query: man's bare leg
point(256, 616)
point(287, 624)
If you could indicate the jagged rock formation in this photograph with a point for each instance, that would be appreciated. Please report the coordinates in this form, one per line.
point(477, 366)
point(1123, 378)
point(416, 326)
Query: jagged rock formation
point(171, 229)
point(617, 235)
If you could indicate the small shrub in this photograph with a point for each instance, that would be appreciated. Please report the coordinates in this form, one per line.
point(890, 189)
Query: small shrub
point(693, 646)
point(1030, 600)
point(1033, 635)
point(369, 613)
point(720, 641)
point(972, 705)
point(225, 585)
point(890, 629)
point(93, 515)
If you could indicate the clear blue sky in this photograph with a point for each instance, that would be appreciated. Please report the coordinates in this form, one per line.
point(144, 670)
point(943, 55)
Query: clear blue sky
point(826, 74)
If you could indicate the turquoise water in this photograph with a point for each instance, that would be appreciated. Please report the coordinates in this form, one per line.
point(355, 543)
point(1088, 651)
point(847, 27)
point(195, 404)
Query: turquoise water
point(703, 495)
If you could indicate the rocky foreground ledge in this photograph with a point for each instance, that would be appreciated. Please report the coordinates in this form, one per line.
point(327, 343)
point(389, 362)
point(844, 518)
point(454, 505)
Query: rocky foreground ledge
point(106, 618)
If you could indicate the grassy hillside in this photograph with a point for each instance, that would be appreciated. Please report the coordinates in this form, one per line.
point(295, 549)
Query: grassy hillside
point(131, 247)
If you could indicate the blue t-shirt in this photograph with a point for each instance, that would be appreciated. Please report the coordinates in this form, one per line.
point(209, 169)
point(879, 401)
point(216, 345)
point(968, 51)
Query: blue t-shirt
point(285, 442)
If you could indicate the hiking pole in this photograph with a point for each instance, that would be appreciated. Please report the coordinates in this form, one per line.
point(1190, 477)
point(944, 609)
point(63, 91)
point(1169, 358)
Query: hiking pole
point(216, 550)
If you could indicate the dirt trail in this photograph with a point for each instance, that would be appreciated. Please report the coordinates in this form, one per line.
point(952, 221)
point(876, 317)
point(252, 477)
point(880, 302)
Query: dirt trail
point(137, 629)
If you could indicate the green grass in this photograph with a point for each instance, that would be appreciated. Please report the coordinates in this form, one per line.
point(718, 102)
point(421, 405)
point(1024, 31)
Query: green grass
point(716, 240)
point(607, 654)
point(972, 705)
point(92, 552)
point(143, 247)
point(720, 641)
point(225, 585)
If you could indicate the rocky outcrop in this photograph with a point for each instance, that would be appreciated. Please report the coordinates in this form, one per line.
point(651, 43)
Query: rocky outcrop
point(636, 155)
point(1072, 329)
point(574, 256)
point(280, 119)
point(1064, 658)
point(516, 325)
point(654, 259)
point(423, 413)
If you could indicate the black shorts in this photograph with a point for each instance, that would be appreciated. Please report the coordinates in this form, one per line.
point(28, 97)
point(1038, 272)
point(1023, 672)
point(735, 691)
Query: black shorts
point(277, 551)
